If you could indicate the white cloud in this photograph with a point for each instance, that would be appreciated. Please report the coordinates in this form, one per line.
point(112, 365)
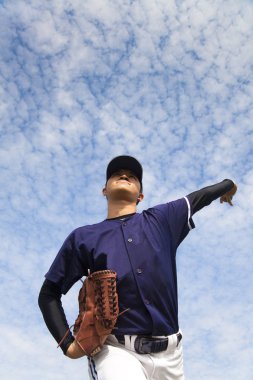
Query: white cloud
point(165, 81)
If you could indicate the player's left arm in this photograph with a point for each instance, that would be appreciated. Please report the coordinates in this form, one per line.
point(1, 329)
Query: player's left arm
point(224, 190)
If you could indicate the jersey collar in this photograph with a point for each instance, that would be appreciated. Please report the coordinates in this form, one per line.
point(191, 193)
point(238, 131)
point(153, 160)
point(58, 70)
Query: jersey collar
point(122, 217)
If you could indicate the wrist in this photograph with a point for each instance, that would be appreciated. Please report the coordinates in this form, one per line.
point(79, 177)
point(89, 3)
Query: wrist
point(67, 343)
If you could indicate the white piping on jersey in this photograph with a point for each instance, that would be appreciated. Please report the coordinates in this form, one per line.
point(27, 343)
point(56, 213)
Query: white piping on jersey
point(189, 212)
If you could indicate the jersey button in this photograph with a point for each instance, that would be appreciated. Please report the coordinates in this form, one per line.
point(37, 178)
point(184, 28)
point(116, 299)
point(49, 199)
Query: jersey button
point(139, 271)
point(147, 302)
point(130, 240)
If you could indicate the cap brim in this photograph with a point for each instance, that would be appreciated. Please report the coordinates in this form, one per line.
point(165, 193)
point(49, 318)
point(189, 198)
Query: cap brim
point(124, 162)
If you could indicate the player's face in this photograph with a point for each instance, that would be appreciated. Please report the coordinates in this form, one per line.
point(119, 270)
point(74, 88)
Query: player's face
point(123, 184)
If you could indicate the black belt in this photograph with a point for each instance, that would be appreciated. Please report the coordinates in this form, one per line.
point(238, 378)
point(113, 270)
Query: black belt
point(148, 345)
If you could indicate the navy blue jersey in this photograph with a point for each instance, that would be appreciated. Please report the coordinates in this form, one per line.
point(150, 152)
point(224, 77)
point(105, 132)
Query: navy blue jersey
point(141, 248)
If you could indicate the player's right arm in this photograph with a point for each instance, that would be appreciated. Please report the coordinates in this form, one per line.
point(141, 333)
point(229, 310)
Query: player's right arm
point(69, 265)
point(54, 316)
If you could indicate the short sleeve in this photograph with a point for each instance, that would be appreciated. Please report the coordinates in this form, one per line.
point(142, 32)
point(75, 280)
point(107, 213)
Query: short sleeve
point(178, 215)
point(70, 264)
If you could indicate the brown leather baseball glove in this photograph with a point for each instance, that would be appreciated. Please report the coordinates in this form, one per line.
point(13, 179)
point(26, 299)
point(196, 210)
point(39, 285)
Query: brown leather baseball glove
point(98, 311)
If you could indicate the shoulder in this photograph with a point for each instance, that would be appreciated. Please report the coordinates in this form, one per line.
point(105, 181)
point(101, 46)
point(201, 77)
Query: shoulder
point(168, 212)
point(88, 229)
point(82, 231)
point(171, 206)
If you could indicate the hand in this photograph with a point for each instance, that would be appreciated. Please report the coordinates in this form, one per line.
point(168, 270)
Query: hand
point(74, 351)
point(229, 195)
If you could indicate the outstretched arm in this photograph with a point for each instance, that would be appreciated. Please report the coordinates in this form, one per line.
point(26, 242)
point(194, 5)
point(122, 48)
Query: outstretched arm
point(224, 190)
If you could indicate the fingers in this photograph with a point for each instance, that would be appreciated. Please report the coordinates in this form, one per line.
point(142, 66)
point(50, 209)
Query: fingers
point(227, 199)
point(229, 196)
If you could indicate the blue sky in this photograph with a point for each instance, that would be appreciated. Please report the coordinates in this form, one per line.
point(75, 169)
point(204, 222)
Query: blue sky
point(169, 82)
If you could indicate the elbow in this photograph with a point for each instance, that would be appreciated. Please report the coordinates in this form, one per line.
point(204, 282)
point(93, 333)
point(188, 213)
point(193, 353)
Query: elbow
point(40, 299)
point(48, 292)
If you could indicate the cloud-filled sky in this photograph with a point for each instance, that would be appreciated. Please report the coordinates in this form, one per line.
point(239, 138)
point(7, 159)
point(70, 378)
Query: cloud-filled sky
point(167, 81)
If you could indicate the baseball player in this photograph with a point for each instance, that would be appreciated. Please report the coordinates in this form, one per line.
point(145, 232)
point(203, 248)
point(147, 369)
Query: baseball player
point(141, 248)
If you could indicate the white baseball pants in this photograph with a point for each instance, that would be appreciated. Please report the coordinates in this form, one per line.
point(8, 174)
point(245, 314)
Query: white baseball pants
point(118, 362)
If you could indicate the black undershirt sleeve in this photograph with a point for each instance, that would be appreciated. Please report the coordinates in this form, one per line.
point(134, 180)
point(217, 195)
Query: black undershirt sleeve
point(205, 196)
point(53, 313)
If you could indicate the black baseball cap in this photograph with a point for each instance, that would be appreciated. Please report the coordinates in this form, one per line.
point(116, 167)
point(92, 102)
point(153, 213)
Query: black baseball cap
point(124, 162)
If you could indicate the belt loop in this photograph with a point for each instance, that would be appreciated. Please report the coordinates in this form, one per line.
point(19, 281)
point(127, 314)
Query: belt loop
point(132, 341)
point(128, 342)
point(179, 337)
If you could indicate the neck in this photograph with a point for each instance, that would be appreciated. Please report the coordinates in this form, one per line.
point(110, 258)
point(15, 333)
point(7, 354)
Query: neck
point(120, 208)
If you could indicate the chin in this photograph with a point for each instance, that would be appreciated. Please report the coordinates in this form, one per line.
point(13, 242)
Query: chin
point(124, 194)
